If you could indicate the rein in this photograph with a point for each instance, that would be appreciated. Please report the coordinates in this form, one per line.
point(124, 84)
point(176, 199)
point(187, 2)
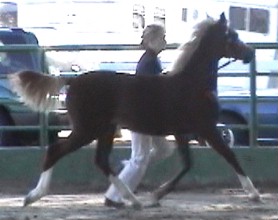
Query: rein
point(227, 63)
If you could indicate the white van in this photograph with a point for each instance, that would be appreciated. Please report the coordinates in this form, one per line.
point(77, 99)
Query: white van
point(91, 21)
point(255, 21)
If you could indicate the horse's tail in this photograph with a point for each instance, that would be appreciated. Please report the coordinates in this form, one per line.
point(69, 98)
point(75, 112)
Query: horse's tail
point(38, 91)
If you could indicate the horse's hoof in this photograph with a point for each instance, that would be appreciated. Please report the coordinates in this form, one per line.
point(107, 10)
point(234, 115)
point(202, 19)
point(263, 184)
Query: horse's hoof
point(27, 201)
point(152, 205)
point(154, 201)
point(255, 197)
point(137, 206)
point(32, 197)
point(111, 204)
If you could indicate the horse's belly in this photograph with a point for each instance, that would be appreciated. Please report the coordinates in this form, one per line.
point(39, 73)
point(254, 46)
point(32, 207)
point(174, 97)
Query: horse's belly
point(154, 125)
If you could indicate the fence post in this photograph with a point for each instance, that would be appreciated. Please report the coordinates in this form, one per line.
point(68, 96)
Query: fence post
point(253, 123)
point(44, 115)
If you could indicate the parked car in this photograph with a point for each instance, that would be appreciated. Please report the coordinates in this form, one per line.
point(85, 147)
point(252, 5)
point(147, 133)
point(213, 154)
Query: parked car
point(12, 113)
point(236, 110)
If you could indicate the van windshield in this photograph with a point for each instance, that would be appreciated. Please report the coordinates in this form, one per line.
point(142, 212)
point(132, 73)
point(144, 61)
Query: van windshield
point(11, 62)
point(8, 14)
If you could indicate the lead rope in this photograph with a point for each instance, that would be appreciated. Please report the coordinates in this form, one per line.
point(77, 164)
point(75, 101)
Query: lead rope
point(227, 63)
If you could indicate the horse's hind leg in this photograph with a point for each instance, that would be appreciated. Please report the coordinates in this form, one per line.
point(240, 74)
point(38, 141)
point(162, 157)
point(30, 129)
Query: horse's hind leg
point(53, 154)
point(216, 141)
point(104, 148)
point(184, 152)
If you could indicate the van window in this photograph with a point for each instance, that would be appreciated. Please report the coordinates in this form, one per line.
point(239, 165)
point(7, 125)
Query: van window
point(259, 20)
point(249, 19)
point(184, 14)
point(237, 17)
point(159, 15)
point(138, 16)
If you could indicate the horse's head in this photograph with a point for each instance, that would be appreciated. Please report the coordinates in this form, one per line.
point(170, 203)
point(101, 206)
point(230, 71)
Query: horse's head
point(213, 40)
point(228, 43)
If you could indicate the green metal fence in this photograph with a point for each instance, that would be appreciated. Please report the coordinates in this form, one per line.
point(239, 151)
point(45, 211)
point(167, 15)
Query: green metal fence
point(44, 126)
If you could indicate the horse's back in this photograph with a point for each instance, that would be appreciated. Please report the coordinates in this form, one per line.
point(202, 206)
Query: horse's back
point(91, 98)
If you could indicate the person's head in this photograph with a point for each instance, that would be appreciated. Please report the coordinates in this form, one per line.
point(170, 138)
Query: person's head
point(153, 38)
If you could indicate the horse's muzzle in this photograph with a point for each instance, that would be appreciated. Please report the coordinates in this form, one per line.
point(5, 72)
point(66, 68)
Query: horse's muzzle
point(240, 51)
point(249, 55)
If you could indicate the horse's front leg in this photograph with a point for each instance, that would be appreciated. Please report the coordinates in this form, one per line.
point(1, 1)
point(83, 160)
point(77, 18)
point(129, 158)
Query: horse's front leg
point(184, 152)
point(104, 147)
point(216, 141)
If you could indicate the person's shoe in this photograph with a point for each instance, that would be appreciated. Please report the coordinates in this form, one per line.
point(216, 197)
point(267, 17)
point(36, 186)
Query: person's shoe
point(112, 204)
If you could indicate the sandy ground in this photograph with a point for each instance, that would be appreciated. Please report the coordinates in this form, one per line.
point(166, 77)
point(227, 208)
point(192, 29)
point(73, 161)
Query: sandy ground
point(201, 205)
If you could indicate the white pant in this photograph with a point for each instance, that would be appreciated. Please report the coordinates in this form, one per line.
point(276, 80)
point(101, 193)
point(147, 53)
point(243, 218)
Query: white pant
point(143, 149)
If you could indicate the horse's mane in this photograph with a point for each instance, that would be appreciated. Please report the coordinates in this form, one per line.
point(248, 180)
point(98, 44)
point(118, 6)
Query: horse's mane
point(188, 48)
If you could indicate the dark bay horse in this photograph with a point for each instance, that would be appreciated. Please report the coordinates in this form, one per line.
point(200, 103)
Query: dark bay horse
point(178, 104)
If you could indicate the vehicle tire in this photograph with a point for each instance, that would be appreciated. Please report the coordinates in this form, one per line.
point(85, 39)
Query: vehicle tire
point(7, 138)
point(227, 135)
point(241, 137)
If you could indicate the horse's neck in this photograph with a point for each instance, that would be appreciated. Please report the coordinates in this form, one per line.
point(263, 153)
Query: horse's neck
point(201, 71)
point(196, 54)
point(201, 64)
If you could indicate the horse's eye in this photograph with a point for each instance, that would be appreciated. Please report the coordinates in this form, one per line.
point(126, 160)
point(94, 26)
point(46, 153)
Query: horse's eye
point(232, 36)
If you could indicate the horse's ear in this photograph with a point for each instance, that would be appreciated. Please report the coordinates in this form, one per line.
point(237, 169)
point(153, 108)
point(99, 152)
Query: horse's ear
point(223, 19)
point(208, 17)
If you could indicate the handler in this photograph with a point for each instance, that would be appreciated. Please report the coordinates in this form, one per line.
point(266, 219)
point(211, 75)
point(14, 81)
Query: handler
point(145, 148)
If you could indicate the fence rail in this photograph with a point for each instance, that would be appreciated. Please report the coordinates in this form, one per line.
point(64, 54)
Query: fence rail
point(44, 127)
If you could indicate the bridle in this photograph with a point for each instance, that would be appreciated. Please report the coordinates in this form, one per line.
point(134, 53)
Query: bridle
point(231, 60)
point(227, 63)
